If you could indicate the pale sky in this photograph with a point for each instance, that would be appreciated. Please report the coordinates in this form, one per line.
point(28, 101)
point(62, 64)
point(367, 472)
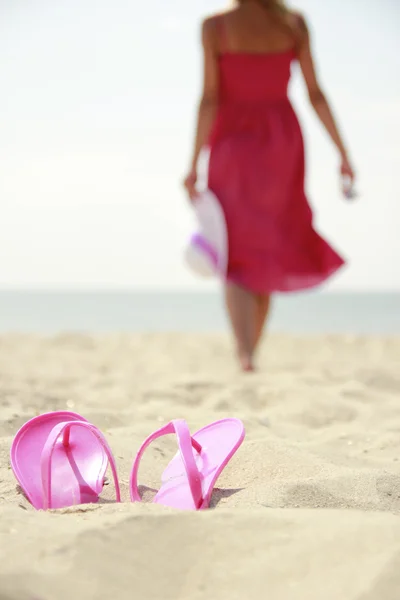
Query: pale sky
point(97, 112)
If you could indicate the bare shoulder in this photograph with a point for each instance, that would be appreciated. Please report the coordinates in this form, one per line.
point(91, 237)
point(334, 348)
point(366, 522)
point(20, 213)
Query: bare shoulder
point(299, 22)
point(208, 31)
point(212, 24)
point(209, 27)
point(209, 22)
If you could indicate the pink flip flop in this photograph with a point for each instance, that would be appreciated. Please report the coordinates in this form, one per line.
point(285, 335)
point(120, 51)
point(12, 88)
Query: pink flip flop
point(60, 459)
point(189, 479)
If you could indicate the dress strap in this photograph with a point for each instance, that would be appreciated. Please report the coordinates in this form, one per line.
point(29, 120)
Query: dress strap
point(301, 31)
point(221, 34)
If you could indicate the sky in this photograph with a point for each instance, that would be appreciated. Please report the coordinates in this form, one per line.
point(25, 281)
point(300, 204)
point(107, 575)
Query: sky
point(97, 111)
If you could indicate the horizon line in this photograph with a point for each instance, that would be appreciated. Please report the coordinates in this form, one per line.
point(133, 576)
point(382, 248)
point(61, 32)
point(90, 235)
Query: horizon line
point(110, 289)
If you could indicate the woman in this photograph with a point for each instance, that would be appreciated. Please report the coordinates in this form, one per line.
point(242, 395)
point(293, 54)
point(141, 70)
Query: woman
point(256, 164)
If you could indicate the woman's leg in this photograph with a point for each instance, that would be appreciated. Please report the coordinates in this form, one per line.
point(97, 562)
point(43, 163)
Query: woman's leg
point(243, 311)
point(263, 310)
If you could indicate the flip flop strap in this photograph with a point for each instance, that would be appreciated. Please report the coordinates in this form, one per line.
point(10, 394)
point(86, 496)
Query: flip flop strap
point(186, 444)
point(48, 450)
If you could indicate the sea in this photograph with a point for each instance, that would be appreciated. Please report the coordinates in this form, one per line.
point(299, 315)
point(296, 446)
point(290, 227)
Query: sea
point(129, 311)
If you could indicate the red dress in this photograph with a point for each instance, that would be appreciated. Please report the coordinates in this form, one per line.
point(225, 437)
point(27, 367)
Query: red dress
point(256, 170)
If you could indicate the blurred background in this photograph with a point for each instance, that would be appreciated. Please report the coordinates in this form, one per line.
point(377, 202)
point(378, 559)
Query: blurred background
point(96, 118)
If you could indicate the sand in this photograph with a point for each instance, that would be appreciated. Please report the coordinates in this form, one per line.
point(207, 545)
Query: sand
point(308, 508)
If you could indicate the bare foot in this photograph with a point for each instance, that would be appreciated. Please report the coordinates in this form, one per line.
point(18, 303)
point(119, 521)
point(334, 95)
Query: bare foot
point(246, 362)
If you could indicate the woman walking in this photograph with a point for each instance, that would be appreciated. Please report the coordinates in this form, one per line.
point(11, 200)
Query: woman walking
point(256, 164)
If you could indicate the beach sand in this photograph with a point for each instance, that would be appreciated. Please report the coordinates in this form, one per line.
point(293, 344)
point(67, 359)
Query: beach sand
point(308, 509)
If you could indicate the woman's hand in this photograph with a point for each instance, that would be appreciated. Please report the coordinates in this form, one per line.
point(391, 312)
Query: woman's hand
point(190, 184)
point(348, 178)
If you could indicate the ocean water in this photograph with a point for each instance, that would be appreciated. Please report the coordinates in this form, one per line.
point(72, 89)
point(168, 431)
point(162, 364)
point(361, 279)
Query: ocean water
point(99, 312)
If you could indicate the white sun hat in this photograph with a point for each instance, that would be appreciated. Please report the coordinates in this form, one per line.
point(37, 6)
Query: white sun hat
point(207, 251)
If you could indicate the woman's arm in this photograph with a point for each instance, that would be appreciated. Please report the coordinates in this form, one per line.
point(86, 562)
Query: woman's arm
point(317, 97)
point(208, 105)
